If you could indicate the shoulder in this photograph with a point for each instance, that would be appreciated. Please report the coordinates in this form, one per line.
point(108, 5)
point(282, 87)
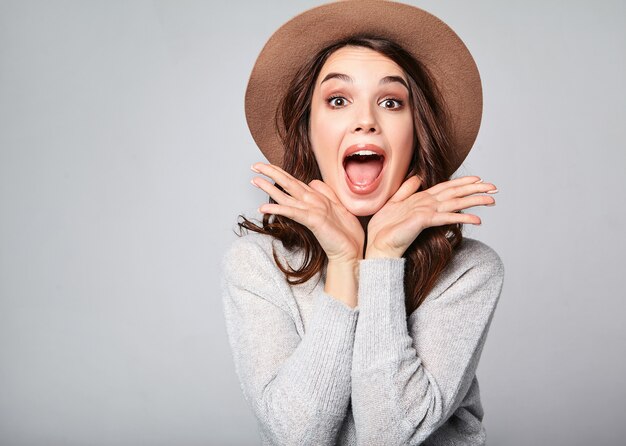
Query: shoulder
point(249, 263)
point(475, 267)
point(472, 253)
point(251, 251)
point(254, 247)
point(251, 243)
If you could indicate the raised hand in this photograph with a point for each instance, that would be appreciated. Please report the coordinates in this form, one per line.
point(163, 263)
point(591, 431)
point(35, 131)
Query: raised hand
point(315, 206)
point(407, 213)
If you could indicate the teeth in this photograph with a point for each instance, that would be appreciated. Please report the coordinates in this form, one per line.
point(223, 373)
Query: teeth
point(364, 152)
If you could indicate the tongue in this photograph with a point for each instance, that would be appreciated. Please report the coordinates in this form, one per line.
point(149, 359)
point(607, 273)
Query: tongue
point(364, 172)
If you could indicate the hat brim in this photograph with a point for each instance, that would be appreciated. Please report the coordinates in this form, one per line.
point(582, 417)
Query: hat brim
point(423, 35)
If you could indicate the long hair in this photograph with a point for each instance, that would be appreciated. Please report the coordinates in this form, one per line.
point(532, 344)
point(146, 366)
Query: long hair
point(431, 251)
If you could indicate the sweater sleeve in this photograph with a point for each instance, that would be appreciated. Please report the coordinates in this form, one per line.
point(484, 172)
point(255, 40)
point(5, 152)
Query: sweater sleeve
point(297, 387)
point(409, 378)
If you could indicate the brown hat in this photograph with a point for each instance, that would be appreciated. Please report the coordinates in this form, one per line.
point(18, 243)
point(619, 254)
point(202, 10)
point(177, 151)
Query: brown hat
point(423, 35)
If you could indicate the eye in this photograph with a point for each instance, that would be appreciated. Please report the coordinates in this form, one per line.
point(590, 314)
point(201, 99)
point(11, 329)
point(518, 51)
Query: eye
point(337, 101)
point(391, 103)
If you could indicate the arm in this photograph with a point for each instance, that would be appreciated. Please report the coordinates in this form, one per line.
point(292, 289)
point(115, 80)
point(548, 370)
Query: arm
point(298, 387)
point(408, 380)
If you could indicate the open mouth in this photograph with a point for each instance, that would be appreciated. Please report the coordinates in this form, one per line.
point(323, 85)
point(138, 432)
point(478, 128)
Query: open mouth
point(363, 168)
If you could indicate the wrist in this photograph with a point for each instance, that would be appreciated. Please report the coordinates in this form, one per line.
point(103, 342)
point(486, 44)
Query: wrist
point(343, 263)
point(346, 258)
point(373, 253)
point(342, 281)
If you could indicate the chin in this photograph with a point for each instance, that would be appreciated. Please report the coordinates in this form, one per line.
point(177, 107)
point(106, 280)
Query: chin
point(363, 207)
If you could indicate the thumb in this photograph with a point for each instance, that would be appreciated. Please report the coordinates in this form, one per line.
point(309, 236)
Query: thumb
point(408, 188)
point(324, 189)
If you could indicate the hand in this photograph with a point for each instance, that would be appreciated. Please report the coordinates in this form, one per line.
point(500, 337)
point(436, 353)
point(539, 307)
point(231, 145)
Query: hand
point(407, 213)
point(317, 207)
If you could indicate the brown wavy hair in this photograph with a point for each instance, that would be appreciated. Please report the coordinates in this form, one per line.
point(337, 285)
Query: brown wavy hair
point(431, 251)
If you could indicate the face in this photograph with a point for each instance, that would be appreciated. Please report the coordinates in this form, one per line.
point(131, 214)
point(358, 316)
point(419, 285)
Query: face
point(361, 127)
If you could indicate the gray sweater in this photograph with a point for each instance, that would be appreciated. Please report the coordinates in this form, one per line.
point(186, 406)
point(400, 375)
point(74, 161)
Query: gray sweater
point(317, 372)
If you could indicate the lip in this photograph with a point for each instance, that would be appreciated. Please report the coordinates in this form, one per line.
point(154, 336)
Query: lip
point(362, 146)
point(363, 190)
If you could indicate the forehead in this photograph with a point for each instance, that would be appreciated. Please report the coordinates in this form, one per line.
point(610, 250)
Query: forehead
point(355, 58)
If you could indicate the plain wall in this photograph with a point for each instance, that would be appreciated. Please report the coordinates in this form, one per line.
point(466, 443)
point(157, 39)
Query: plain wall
point(124, 162)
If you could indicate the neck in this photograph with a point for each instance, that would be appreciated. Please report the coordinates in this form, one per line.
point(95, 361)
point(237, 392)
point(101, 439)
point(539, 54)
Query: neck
point(364, 222)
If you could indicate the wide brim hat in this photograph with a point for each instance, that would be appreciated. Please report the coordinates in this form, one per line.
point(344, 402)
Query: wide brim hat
point(423, 35)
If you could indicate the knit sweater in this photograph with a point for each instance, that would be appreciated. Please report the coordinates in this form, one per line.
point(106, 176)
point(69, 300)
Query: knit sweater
point(316, 372)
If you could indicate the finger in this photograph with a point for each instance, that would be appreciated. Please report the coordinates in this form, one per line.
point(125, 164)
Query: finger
point(293, 213)
point(291, 185)
point(274, 192)
point(324, 189)
point(453, 183)
point(458, 204)
point(408, 188)
point(449, 218)
point(468, 189)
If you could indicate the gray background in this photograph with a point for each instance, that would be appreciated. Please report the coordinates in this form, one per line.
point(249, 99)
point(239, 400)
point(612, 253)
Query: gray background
point(124, 161)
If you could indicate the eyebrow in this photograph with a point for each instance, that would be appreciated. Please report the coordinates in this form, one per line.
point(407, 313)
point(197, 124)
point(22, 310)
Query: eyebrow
point(383, 81)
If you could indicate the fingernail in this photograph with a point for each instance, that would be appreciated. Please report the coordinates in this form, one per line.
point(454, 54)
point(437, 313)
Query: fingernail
point(479, 181)
point(492, 191)
point(253, 183)
point(254, 169)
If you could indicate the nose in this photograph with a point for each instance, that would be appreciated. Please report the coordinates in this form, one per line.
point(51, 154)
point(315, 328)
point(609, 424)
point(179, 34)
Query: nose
point(365, 121)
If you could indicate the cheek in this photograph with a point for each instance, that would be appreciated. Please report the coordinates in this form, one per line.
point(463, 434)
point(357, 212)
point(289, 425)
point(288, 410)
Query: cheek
point(325, 127)
point(405, 133)
point(325, 136)
point(403, 140)
point(318, 144)
point(408, 143)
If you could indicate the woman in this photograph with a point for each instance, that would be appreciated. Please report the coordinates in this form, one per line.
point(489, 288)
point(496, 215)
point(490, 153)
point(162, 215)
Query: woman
point(356, 311)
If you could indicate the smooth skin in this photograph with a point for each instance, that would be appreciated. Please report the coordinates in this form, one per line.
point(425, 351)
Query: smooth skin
point(360, 96)
point(359, 108)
